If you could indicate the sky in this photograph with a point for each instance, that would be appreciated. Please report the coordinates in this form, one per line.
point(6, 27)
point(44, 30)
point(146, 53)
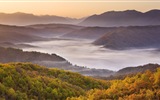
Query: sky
point(75, 8)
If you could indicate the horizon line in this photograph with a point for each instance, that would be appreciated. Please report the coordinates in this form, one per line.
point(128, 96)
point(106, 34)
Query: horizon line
point(75, 17)
point(57, 15)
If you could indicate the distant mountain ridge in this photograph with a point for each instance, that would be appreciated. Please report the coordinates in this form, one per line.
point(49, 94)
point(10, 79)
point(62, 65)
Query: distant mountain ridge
point(36, 32)
point(106, 19)
point(54, 30)
point(18, 34)
point(20, 18)
point(89, 32)
point(123, 18)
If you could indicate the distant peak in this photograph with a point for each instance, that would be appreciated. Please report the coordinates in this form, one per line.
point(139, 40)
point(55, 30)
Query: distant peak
point(21, 13)
point(126, 11)
point(132, 11)
point(154, 11)
point(18, 13)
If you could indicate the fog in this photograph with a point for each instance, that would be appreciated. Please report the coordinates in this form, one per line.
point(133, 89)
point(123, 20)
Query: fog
point(83, 53)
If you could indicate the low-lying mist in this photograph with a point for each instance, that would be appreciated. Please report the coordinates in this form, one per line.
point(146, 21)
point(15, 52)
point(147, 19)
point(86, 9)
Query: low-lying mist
point(83, 53)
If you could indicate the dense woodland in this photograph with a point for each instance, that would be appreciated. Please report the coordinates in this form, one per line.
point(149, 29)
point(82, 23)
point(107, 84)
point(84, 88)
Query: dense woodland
point(24, 81)
point(143, 86)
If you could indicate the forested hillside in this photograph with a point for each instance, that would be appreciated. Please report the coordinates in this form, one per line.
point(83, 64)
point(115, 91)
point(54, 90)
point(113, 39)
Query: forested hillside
point(24, 81)
point(143, 86)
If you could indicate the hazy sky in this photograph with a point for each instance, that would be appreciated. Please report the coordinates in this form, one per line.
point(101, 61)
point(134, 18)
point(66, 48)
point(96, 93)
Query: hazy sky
point(75, 9)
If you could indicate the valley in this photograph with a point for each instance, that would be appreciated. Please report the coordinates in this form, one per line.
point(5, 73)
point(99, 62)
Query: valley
point(114, 55)
point(84, 53)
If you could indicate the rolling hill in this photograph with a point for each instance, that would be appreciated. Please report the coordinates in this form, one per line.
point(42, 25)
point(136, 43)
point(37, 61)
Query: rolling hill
point(138, 69)
point(29, 81)
point(38, 32)
point(54, 30)
point(142, 86)
point(131, 37)
point(89, 32)
point(23, 81)
point(20, 18)
point(17, 34)
point(123, 18)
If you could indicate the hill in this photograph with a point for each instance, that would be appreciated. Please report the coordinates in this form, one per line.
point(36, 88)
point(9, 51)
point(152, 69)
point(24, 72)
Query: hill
point(17, 34)
point(89, 33)
point(142, 86)
point(17, 55)
point(14, 45)
point(38, 32)
point(49, 60)
point(131, 71)
point(131, 37)
point(20, 18)
point(28, 81)
point(138, 69)
point(23, 81)
point(123, 18)
point(54, 30)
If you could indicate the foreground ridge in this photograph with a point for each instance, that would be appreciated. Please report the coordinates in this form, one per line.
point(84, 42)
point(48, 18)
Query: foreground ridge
point(23, 81)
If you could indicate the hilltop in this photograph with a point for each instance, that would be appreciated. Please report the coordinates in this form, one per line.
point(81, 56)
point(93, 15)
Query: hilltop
point(131, 37)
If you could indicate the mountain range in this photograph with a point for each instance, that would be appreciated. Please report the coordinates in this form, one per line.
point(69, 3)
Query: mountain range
point(21, 19)
point(123, 18)
point(119, 38)
point(38, 32)
point(106, 19)
point(109, 37)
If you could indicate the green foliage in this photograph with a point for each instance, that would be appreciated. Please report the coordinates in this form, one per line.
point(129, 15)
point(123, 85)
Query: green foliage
point(25, 81)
